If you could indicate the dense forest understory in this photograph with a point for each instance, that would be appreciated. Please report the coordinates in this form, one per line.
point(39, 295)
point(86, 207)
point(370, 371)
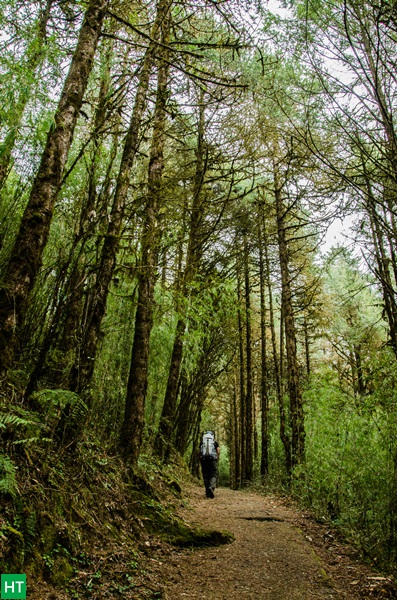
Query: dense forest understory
point(171, 173)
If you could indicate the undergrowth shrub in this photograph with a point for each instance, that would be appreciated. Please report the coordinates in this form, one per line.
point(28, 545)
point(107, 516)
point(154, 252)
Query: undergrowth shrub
point(350, 472)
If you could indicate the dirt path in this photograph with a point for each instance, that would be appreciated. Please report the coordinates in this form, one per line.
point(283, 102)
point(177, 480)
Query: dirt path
point(274, 556)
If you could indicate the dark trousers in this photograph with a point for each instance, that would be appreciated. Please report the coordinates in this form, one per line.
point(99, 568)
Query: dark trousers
point(209, 468)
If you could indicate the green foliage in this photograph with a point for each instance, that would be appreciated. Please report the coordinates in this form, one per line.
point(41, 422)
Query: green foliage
point(161, 343)
point(349, 475)
point(22, 427)
point(25, 522)
point(224, 467)
point(8, 480)
point(54, 403)
point(9, 420)
point(59, 565)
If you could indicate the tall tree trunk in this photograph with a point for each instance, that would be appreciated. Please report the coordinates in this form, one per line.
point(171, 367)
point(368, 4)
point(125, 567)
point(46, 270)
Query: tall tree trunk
point(242, 393)
point(359, 369)
point(264, 375)
point(165, 430)
point(249, 433)
point(133, 423)
point(83, 369)
point(237, 441)
point(190, 406)
point(189, 412)
point(64, 333)
point(295, 395)
point(183, 420)
point(26, 256)
point(234, 437)
point(163, 442)
point(382, 260)
point(277, 363)
point(307, 346)
point(194, 457)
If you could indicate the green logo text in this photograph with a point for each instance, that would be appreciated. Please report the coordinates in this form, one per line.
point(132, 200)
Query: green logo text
point(13, 587)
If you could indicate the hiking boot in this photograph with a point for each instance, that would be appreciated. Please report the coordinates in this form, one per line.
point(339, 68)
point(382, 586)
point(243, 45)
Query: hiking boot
point(210, 493)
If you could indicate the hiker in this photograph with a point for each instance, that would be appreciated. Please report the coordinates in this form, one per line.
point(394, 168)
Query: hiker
point(209, 455)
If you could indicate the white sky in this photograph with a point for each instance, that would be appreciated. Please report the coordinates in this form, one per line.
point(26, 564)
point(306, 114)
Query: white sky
point(274, 6)
point(337, 233)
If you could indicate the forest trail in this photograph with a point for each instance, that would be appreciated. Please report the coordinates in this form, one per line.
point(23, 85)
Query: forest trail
point(275, 555)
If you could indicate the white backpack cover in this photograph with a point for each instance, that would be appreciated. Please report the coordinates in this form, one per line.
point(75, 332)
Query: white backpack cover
point(208, 449)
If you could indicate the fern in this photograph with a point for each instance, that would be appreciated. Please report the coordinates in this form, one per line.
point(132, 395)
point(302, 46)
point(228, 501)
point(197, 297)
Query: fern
point(30, 530)
point(25, 427)
point(7, 420)
point(31, 440)
point(79, 410)
point(8, 481)
point(55, 400)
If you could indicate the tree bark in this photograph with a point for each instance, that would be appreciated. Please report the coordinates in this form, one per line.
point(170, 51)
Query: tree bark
point(307, 346)
point(249, 432)
point(133, 423)
point(165, 430)
point(295, 396)
point(264, 374)
point(166, 426)
point(235, 443)
point(277, 368)
point(242, 393)
point(83, 368)
point(26, 256)
point(189, 392)
point(64, 333)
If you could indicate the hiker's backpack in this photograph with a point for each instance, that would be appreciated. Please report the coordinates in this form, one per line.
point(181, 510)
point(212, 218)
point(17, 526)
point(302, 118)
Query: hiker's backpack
point(208, 448)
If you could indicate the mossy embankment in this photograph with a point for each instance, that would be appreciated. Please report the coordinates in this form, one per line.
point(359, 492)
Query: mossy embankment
point(81, 525)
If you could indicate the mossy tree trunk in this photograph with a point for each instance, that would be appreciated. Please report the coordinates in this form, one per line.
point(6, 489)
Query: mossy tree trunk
point(133, 422)
point(64, 332)
point(166, 425)
point(235, 476)
point(241, 386)
point(26, 257)
point(277, 361)
point(295, 394)
point(249, 396)
point(83, 368)
point(264, 366)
